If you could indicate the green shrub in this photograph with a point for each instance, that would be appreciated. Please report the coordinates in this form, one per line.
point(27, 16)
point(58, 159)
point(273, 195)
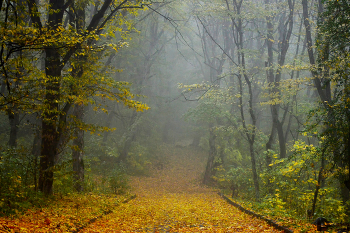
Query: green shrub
point(118, 181)
point(139, 160)
point(18, 181)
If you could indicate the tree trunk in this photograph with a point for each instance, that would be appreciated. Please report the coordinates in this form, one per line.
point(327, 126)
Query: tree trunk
point(78, 150)
point(255, 174)
point(78, 141)
point(54, 120)
point(207, 180)
point(274, 78)
point(14, 122)
point(320, 183)
point(129, 137)
point(347, 181)
point(36, 150)
point(269, 158)
point(239, 41)
point(47, 159)
point(281, 140)
point(50, 136)
point(126, 148)
point(324, 93)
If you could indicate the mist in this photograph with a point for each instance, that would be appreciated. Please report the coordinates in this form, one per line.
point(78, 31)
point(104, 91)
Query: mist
point(247, 98)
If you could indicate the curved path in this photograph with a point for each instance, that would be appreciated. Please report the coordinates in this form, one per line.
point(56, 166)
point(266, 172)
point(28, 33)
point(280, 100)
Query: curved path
point(170, 200)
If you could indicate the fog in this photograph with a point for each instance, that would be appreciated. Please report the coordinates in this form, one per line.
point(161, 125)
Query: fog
point(243, 84)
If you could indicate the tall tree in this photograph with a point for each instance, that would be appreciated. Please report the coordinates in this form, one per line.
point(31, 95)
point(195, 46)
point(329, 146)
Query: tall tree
point(244, 79)
point(330, 66)
point(214, 59)
point(285, 29)
point(61, 45)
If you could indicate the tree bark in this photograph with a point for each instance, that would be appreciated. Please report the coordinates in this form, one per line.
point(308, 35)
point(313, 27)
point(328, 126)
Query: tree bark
point(207, 179)
point(50, 135)
point(36, 150)
point(78, 112)
point(13, 116)
point(318, 84)
point(78, 151)
point(347, 181)
point(320, 183)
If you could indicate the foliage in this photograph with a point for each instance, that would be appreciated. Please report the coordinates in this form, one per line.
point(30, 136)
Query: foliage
point(332, 70)
point(293, 181)
point(139, 160)
point(63, 213)
point(212, 102)
point(252, 93)
point(73, 72)
point(25, 80)
point(18, 172)
point(160, 204)
point(316, 157)
point(118, 181)
point(240, 177)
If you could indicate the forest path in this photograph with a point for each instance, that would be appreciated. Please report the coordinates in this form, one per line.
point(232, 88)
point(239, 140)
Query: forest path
point(171, 200)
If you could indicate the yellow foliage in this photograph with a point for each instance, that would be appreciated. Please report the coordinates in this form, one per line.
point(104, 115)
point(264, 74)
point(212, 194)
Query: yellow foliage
point(171, 199)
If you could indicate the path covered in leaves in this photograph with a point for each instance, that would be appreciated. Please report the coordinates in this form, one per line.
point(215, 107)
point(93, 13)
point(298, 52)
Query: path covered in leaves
point(171, 200)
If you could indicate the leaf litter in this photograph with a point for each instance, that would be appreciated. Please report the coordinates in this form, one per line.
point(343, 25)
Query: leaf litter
point(172, 200)
point(169, 200)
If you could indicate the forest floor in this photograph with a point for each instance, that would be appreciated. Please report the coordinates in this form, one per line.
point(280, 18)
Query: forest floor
point(171, 199)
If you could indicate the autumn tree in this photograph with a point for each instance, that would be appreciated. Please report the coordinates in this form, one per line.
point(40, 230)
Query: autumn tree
point(224, 45)
point(285, 29)
point(214, 58)
point(330, 72)
point(12, 62)
point(64, 80)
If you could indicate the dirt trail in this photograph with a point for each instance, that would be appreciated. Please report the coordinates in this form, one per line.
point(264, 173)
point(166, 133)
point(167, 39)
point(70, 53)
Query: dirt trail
point(181, 174)
point(171, 200)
